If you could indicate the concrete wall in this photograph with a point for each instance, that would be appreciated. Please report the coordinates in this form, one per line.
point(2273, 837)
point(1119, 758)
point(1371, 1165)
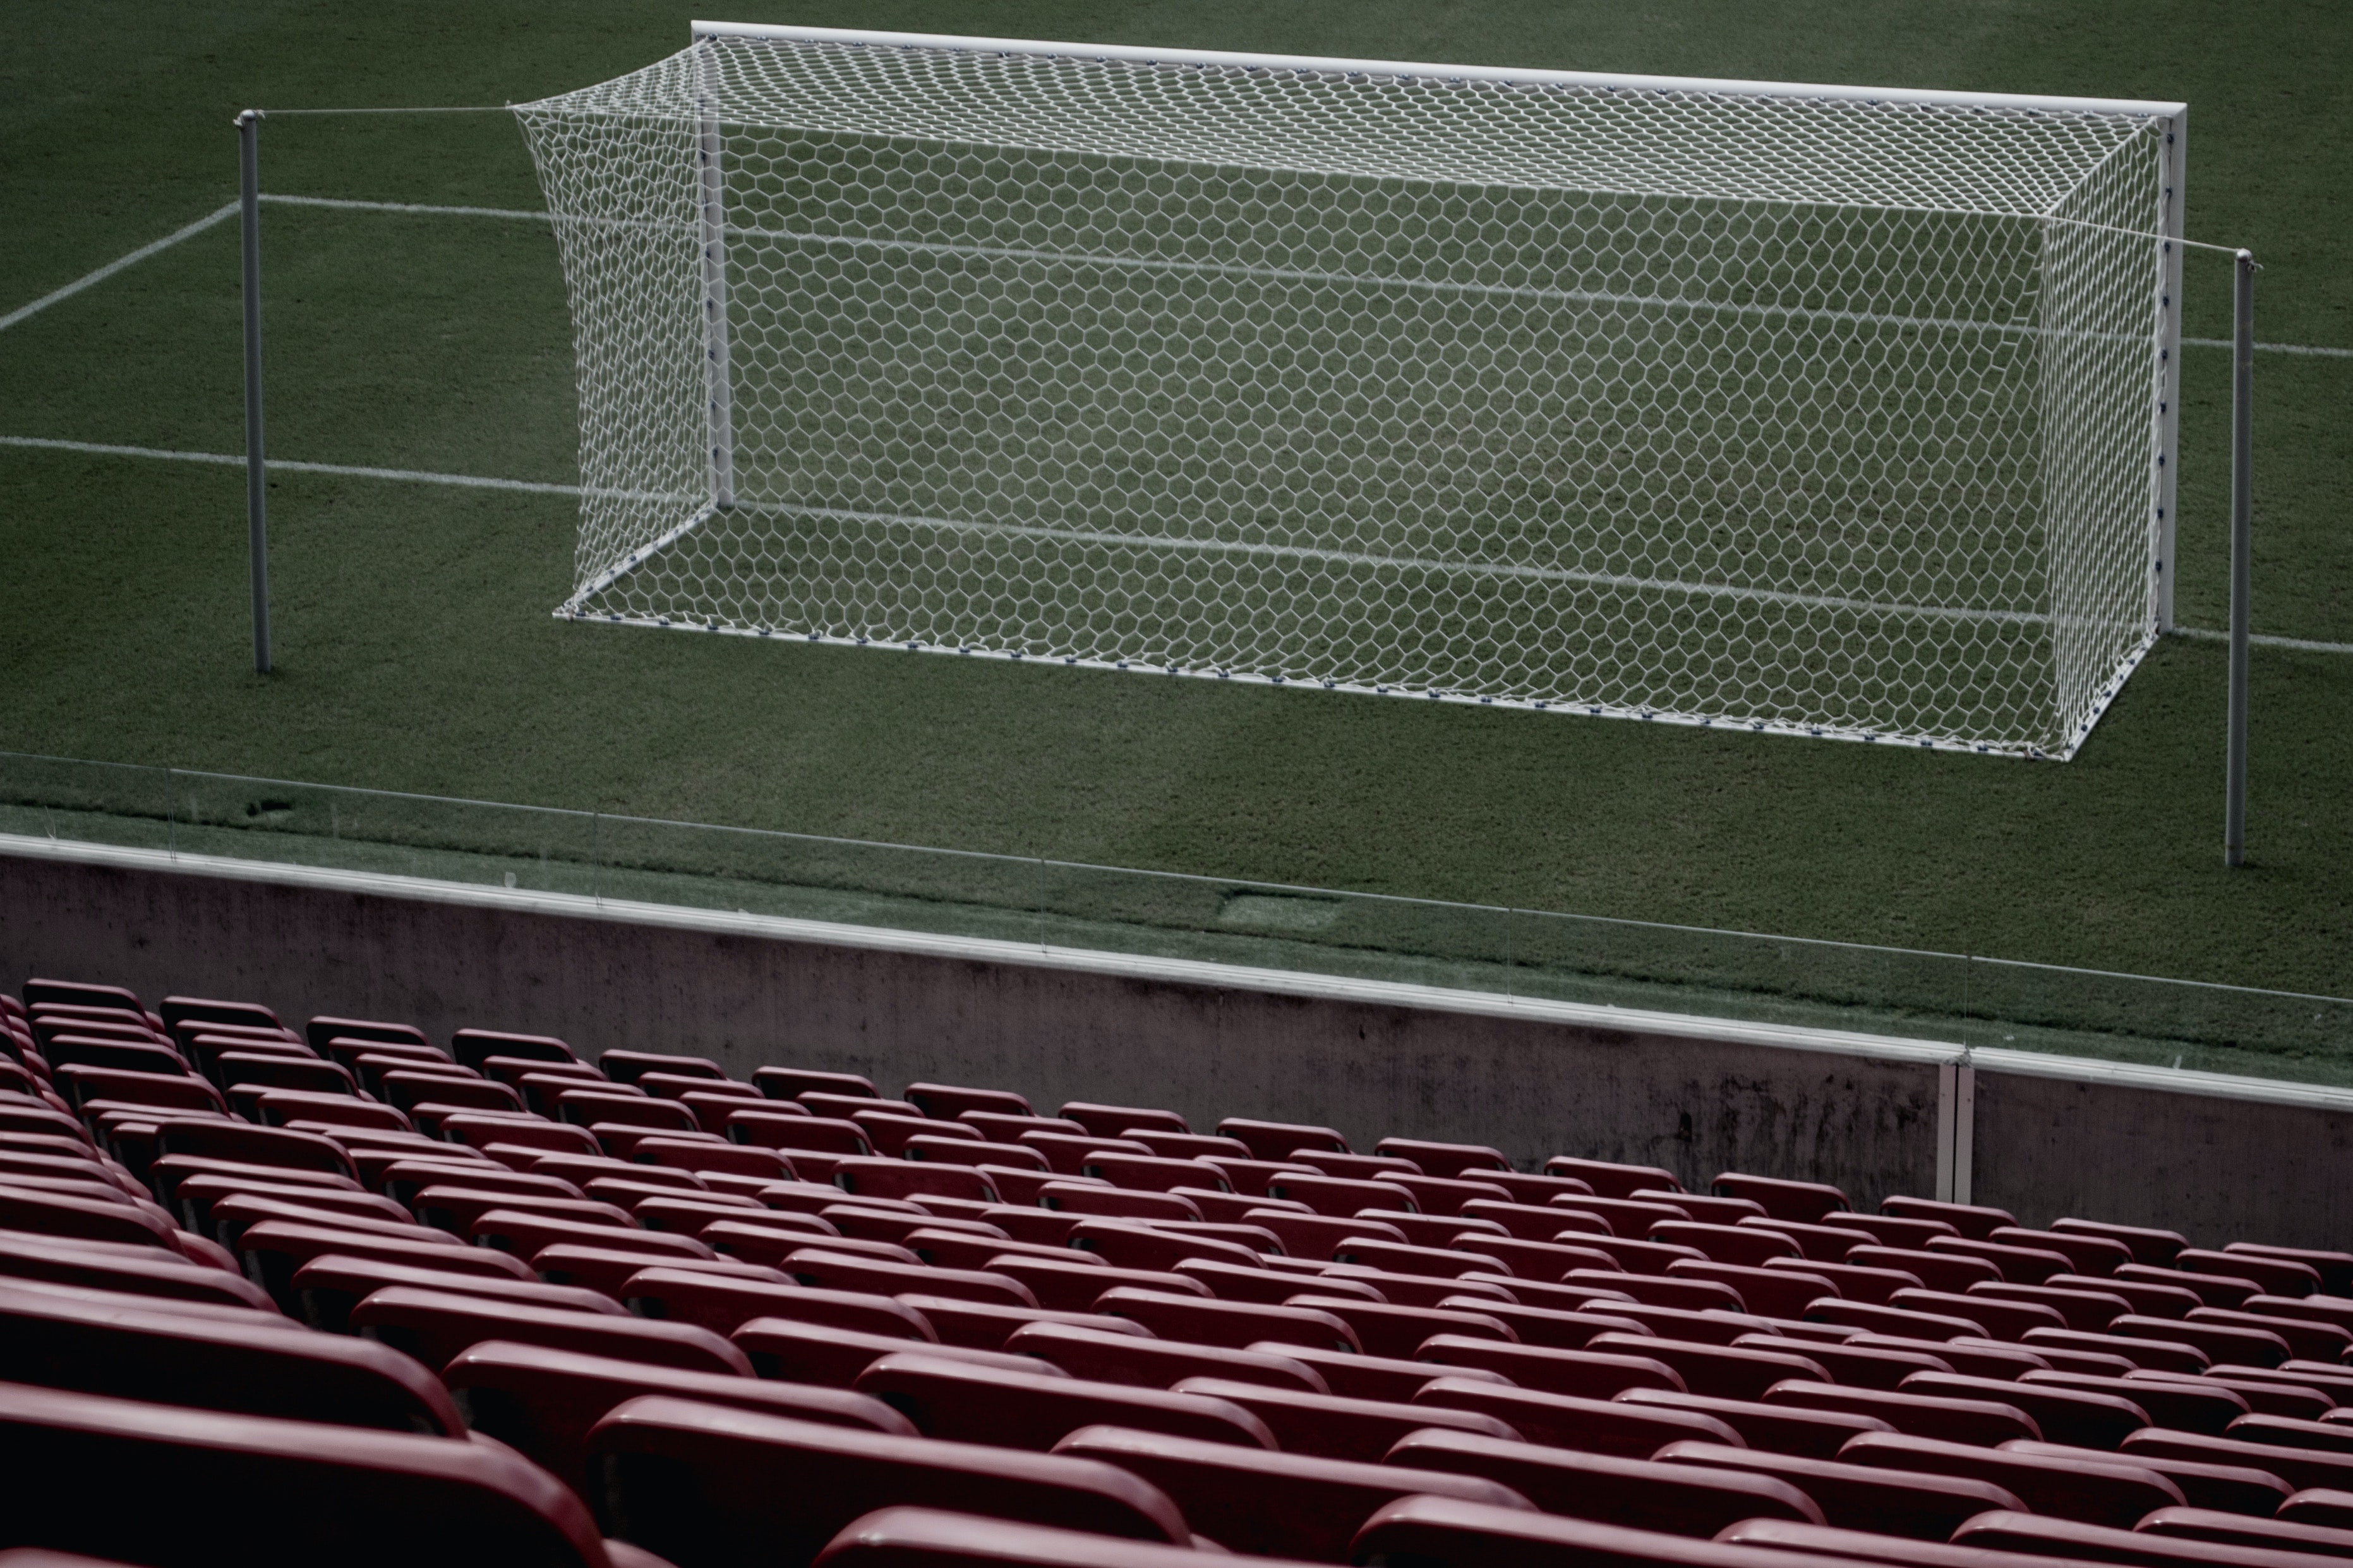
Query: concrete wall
point(1531, 1087)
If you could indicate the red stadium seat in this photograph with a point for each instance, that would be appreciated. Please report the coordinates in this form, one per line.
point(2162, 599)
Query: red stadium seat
point(1884, 1502)
point(2234, 1489)
point(2301, 1468)
point(934, 1538)
point(790, 1083)
point(2083, 1309)
point(1387, 1329)
point(1680, 1499)
point(2335, 1268)
point(1612, 1181)
point(2156, 1248)
point(1074, 1284)
point(1855, 1368)
point(1314, 1236)
point(2020, 1532)
point(315, 1492)
point(1111, 1120)
point(1726, 1371)
point(543, 1403)
point(1804, 1201)
point(253, 1364)
point(527, 1233)
point(697, 1483)
point(967, 1404)
point(1626, 1429)
point(1235, 1324)
point(329, 1285)
point(2308, 1338)
point(1791, 1429)
point(2007, 1321)
point(724, 1302)
point(473, 1047)
point(1982, 1421)
point(1974, 1221)
point(2105, 1491)
point(946, 1102)
point(2320, 1505)
point(982, 1325)
point(2238, 1530)
point(2183, 1404)
point(1337, 1428)
point(434, 1325)
point(1547, 1326)
point(132, 1270)
point(1113, 1357)
point(1270, 1504)
point(2156, 1355)
point(1377, 1377)
point(798, 1352)
point(1585, 1374)
point(2078, 1417)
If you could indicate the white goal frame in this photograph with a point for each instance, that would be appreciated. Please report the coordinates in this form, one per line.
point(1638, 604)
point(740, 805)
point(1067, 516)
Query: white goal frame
point(2163, 228)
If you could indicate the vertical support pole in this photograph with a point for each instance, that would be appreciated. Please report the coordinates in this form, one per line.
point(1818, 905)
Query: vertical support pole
point(1945, 1108)
point(2176, 165)
point(2242, 508)
point(709, 145)
point(249, 127)
point(1965, 1133)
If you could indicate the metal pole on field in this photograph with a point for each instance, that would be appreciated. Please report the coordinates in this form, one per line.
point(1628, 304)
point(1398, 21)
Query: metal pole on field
point(2243, 441)
point(249, 127)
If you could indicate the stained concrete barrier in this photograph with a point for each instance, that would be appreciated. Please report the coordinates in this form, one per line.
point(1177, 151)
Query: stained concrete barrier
point(1693, 1095)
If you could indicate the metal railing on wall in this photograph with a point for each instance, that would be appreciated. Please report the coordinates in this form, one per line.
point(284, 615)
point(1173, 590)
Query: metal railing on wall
point(1960, 999)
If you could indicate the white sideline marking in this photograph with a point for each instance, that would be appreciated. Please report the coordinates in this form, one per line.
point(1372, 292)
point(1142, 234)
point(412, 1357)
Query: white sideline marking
point(2269, 348)
point(2299, 644)
point(346, 470)
point(403, 207)
point(117, 265)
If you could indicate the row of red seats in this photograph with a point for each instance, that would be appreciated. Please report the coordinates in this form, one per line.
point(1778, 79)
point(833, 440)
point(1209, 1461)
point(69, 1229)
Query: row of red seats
point(1097, 1322)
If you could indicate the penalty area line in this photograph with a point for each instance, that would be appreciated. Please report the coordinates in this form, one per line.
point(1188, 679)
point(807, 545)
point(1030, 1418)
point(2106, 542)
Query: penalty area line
point(89, 280)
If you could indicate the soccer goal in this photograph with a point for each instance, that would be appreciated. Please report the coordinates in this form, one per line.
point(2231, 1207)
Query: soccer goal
point(1816, 410)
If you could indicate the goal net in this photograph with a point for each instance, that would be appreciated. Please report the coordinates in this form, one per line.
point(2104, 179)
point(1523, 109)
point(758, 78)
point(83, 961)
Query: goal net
point(1810, 410)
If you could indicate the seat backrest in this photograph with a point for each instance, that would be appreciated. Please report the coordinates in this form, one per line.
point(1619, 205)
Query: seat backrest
point(2018, 1532)
point(543, 1402)
point(254, 1365)
point(934, 1538)
point(830, 1357)
point(698, 1484)
point(329, 1285)
point(723, 1304)
point(1680, 1499)
point(1334, 1427)
point(1157, 1364)
point(254, 1145)
point(316, 1493)
point(136, 1270)
point(966, 1402)
point(2099, 1491)
point(434, 1325)
point(1861, 1497)
point(1272, 1504)
point(1589, 1425)
point(473, 1047)
point(1827, 1540)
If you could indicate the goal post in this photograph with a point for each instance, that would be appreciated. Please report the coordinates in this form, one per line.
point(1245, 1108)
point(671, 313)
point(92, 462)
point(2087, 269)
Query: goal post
point(1818, 410)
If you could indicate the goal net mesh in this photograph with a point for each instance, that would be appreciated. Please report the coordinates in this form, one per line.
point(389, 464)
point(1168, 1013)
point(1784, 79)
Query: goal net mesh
point(1707, 406)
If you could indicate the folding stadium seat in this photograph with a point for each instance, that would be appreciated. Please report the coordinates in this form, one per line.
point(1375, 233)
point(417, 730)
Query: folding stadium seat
point(543, 1403)
point(960, 1402)
point(122, 1055)
point(115, 1218)
point(629, 1067)
point(2301, 1468)
point(403, 1178)
point(1620, 1427)
point(526, 1233)
point(2211, 1290)
point(454, 1206)
point(790, 1083)
point(1447, 1194)
point(82, 1084)
point(128, 1270)
point(2102, 1491)
point(434, 1325)
point(1236, 1325)
point(2272, 1275)
point(228, 1216)
point(407, 1090)
point(716, 1161)
point(694, 1483)
point(1852, 1368)
point(314, 1493)
point(2162, 1355)
point(2265, 1393)
point(1444, 1159)
point(1313, 1236)
point(1111, 1120)
point(177, 1010)
point(1683, 1499)
point(1541, 1262)
point(757, 1241)
point(1773, 1428)
point(1335, 1426)
point(2154, 1248)
point(1066, 1151)
point(1390, 1328)
point(1974, 1220)
point(1272, 1504)
point(1745, 1245)
point(1706, 1326)
point(2237, 1530)
point(1982, 1421)
point(2075, 1416)
point(1804, 1201)
point(1276, 1140)
point(329, 1285)
point(254, 1145)
point(1702, 1208)
point(593, 1108)
point(934, 1538)
point(2320, 1505)
point(1547, 1326)
point(2224, 1344)
point(1125, 1243)
point(2015, 1533)
point(1269, 1287)
point(2233, 1488)
point(2005, 1321)
point(725, 1302)
point(713, 1107)
point(323, 1028)
point(1675, 1292)
point(1725, 1372)
point(946, 1101)
point(255, 1365)
point(38, 991)
point(2333, 1435)
point(1970, 1356)
point(1403, 1258)
point(473, 1047)
point(1075, 1285)
point(2182, 1404)
point(310, 1111)
point(1588, 1374)
point(2333, 1309)
point(2334, 1269)
point(1609, 1180)
point(834, 1269)
point(254, 1070)
point(1884, 1502)
point(1649, 1258)
point(273, 1250)
point(369, 1068)
point(1107, 1356)
point(2081, 1309)
point(672, 1209)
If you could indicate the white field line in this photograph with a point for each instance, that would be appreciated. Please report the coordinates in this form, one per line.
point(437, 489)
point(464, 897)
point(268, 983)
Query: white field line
point(533, 487)
point(117, 265)
point(2269, 348)
point(345, 470)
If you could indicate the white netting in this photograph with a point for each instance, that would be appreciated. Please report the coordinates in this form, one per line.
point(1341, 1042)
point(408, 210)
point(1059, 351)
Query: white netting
point(1797, 413)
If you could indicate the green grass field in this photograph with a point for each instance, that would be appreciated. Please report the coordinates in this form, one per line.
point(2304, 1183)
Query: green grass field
point(416, 652)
